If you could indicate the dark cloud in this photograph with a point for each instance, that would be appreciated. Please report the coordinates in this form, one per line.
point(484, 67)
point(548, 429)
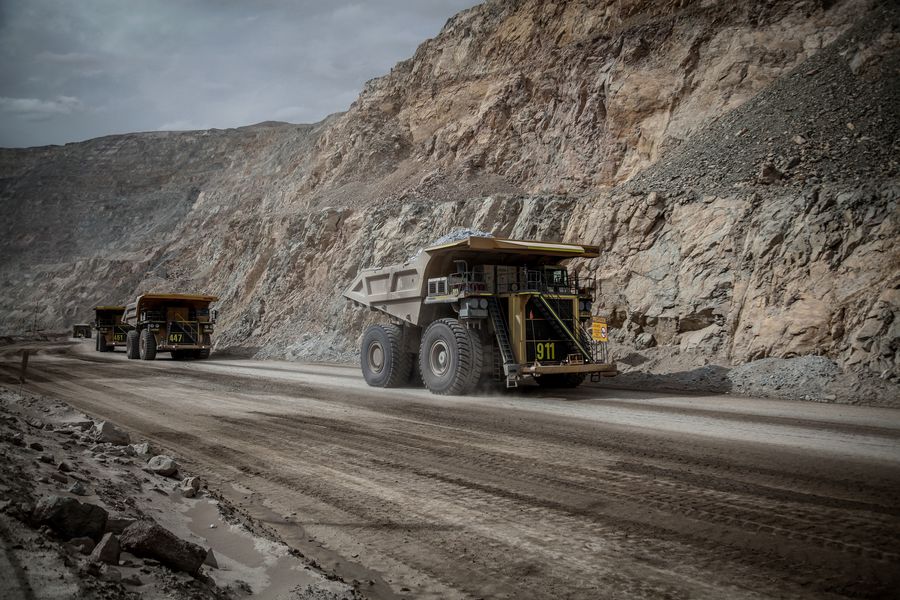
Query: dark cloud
point(74, 70)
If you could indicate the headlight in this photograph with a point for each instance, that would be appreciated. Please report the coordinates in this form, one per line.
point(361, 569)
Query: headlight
point(483, 303)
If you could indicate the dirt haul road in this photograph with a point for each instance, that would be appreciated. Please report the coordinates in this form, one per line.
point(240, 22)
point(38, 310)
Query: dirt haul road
point(585, 494)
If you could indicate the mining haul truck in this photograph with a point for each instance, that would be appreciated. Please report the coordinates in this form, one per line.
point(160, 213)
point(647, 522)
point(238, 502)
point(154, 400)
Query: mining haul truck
point(81, 330)
point(482, 308)
point(111, 331)
point(178, 323)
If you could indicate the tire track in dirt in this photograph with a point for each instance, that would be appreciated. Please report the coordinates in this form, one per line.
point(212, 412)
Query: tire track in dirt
point(474, 498)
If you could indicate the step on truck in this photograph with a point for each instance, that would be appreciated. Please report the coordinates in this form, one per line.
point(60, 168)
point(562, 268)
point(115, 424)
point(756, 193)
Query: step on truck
point(181, 324)
point(483, 308)
point(111, 331)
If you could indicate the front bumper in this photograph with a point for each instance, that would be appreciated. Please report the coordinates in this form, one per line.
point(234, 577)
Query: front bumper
point(604, 369)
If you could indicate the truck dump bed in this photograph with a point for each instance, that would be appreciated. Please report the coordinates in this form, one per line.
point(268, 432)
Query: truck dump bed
point(399, 290)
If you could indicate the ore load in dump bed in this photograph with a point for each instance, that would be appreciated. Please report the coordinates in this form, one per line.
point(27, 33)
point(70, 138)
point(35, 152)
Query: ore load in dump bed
point(480, 309)
point(111, 331)
point(178, 323)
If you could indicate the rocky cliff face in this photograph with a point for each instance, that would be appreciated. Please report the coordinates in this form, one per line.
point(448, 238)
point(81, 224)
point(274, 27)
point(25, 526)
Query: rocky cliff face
point(736, 161)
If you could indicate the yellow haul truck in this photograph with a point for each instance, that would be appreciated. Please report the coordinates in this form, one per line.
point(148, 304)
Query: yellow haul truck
point(178, 323)
point(483, 308)
point(111, 331)
point(81, 330)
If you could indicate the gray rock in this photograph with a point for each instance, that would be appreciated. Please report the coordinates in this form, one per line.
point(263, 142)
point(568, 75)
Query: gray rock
point(85, 545)
point(70, 518)
point(644, 341)
point(146, 539)
point(107, 551)
point(36, 446)
point(210, 560)
point(105, 431)
point(142, 449)
point(77, 489)
point(118, 524)
point(189, 486)
point(163, 465)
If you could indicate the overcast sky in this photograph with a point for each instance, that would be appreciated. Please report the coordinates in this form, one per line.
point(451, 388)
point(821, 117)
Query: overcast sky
point(75, 69)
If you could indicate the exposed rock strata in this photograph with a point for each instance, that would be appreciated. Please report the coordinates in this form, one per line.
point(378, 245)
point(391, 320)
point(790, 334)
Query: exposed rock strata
point(736, 161)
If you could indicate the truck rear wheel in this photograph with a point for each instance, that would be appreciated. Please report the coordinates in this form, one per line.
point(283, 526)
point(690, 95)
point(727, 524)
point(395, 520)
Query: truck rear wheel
point(450, 358)
point(132, 344)
point(382, 357)
point(147, 345)
point(560, 380)
point(202, 353)
point(101, 343)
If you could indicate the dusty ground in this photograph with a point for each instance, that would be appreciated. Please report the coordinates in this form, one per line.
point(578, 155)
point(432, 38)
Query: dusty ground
point(588, 494)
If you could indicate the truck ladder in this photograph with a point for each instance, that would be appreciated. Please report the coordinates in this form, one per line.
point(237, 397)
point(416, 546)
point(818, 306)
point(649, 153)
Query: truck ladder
point(510, 367)
point(562, 328)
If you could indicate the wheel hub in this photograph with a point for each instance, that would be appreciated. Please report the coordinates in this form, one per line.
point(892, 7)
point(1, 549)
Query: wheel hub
point(376, 357)
point(439, 358)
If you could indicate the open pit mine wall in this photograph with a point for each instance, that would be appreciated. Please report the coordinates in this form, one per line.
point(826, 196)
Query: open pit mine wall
point(737, 164)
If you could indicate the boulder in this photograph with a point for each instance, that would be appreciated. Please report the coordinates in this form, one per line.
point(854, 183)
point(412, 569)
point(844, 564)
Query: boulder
point(189, 486)
point(70, 518)
point(142, 449)
point(163, 465)
point(106, 432)
point(85, 545)
point(210, 560)
point(107, 551)
point(146, 539)
point(644, 341)
point(78, 489)
point(118, 524)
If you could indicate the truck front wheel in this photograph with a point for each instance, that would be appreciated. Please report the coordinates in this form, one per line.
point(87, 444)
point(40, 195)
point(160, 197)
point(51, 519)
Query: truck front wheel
point(450, 358)
point(147, 345)
point(382, 357)
point(132, 344)
point(101, 343)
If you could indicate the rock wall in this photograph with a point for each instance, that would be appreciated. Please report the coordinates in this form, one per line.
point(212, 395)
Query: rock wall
point(736, 162)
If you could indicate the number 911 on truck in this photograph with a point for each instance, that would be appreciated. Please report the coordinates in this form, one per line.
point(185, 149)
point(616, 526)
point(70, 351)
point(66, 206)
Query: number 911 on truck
point(480, 309)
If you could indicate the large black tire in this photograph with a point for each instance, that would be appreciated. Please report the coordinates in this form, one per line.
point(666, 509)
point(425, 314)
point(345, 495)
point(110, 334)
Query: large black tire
point(132, 345)
point(562, 380)
point(101, 343)
point(201, 354)
point(450, 358)
point(97, 344)
point(180, 354)
point(383, 358)
point(147, 345)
